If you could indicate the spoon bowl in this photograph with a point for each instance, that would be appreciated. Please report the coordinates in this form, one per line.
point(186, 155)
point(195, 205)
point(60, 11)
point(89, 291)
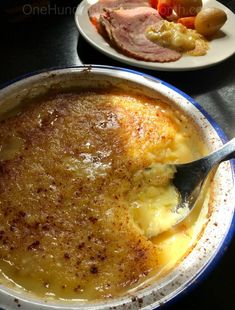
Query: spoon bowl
point(190, 177)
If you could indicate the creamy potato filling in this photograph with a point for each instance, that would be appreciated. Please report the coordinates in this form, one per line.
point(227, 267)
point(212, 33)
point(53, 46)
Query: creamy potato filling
point(178, 37)
point(153, 188)
point(85, 191)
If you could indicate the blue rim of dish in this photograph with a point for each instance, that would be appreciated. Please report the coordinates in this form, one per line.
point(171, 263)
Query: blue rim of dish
point(210, 266)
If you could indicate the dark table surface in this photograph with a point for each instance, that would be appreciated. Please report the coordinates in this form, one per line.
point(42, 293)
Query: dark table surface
point(30, 43)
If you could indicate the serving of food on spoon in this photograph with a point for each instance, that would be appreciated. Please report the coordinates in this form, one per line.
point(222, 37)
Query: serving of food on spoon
point(185, 182)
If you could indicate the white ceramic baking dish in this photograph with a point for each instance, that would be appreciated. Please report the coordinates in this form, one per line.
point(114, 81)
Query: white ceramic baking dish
point(219, 227)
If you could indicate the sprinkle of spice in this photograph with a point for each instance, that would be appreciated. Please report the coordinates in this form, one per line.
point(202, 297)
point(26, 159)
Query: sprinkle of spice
point(66, 256)
point(81, 245)
point(77, 288)
point(92, 219)
point(34, 245)
point(93, 269)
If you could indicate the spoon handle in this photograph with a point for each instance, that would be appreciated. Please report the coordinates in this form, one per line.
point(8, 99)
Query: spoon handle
point(226, 152)
point(190, 177)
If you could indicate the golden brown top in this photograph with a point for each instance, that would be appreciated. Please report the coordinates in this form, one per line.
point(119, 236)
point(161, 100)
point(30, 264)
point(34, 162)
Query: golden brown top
point(66, 167)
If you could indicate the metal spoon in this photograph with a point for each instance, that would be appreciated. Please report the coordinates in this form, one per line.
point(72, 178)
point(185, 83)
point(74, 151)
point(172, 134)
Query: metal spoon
point(190, 177)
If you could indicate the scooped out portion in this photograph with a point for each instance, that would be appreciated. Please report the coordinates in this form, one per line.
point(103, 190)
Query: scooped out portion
point(153, 187)
point(77, 216)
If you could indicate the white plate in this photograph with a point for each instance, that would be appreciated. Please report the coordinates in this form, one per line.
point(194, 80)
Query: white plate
point(220, 49)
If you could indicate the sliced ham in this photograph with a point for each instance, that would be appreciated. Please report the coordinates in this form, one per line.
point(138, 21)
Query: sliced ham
point(96, 9)
point(126, 30)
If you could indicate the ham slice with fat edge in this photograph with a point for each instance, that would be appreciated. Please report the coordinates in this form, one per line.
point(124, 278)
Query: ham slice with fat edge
point(96, 9)
point(126, 30)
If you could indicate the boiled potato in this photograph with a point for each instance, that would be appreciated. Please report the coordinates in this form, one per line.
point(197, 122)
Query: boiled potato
point(185, 8)
point(209, 21)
